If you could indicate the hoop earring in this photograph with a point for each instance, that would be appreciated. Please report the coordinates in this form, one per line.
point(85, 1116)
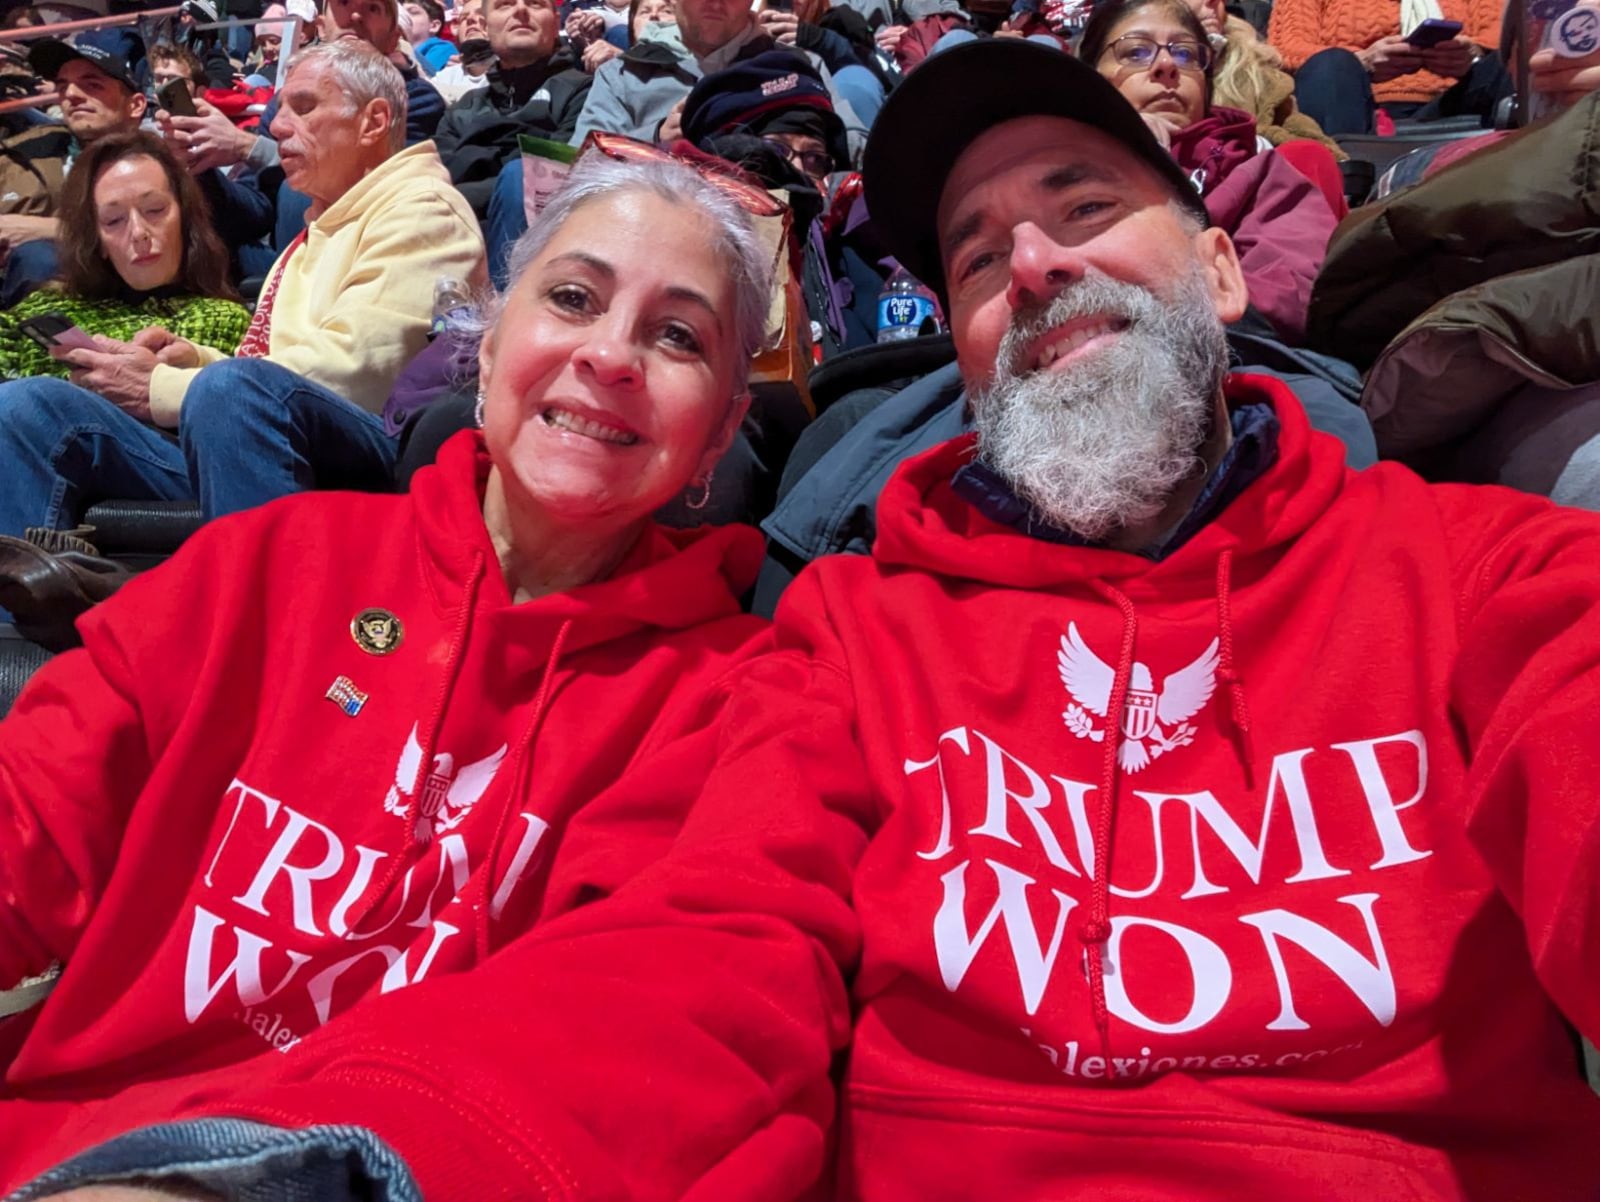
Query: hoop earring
point(705, 494)
point(477, 410)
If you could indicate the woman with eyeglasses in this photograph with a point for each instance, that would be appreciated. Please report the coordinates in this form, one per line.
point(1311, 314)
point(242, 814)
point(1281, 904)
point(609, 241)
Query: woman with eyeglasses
point(1157, 54)
point(348, 744)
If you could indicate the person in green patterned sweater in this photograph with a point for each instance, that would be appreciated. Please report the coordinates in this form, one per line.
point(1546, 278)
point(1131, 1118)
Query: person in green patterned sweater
point(137, 249)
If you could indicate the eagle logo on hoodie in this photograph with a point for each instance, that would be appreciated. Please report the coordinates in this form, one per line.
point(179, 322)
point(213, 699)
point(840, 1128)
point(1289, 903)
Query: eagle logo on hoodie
point(1153, 723)
point(447, 795)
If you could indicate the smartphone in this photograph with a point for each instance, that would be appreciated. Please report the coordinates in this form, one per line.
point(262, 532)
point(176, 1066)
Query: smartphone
point(1432, 32)
point(176, 98)
point(55, 332)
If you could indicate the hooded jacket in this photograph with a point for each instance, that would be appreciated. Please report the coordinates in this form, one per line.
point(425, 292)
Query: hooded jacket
point(355, 300)
point(479, 132)
point(1263, 871)
point(1278, 220)
point(231, 818)
point(1343, 797)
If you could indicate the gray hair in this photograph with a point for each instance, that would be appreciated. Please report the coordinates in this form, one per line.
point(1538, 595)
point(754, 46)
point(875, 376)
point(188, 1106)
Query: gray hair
point(737, 245)
point(363, 75)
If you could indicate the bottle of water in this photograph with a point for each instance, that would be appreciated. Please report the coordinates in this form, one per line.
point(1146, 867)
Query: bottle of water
point(452, 305)
point(906, 308)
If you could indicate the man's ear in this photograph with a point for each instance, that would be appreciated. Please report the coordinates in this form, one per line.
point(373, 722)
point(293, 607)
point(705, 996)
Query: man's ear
point(375, 119)
point(1224, 277)
point(137, 103)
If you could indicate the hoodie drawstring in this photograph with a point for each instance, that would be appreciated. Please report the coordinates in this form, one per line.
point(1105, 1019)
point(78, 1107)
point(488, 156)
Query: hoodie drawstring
point(1096, 930)
point(519, 785)
point(1227, 673)
point(430, 733)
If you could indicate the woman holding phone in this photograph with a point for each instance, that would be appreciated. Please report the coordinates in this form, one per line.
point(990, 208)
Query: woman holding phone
point(137, 249)
point(1416, 59)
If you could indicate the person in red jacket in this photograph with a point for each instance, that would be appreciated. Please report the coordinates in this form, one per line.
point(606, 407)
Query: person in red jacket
point(349, 743)
point(1156, 54)
point(1192, 817)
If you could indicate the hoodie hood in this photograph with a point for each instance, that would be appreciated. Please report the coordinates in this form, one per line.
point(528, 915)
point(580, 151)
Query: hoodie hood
point(670, 580)
point(418, 162)
point(923, 523)
point(1213, 146)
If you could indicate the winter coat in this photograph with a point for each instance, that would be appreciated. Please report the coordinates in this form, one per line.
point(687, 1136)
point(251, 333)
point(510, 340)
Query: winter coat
point(33, 163)
point(1263, 90)
point(1530, 200)
point(356, 298)
point(1300, 28)
point(239, 822)
point(478, 134)
point(1278, 219)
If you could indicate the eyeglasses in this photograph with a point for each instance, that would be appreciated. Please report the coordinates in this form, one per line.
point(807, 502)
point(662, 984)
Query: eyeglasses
point(813, 163)
point(1140, 51)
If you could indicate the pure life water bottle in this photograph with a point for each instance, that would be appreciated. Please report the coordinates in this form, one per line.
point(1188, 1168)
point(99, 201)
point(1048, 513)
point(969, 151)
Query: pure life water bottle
point(906, 308)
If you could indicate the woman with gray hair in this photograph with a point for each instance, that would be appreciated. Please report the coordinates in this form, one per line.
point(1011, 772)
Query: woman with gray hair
point(345, 742)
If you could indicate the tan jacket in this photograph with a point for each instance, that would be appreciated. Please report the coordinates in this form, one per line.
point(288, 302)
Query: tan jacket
point(356, 299)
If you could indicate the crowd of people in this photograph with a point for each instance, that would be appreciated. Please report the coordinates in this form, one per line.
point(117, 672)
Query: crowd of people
point(1143, 758)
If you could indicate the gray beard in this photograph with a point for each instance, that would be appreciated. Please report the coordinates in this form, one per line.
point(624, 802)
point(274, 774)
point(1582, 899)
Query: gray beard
point(1102, 444)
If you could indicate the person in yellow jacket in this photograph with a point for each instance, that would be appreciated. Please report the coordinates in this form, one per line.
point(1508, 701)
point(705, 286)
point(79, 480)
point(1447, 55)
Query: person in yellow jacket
point(342, 311)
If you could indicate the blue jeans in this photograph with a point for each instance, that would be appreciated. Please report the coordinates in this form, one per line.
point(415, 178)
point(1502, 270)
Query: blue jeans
point(505, 221)
point(249, 431)
point(862, 91)
point(30, 266)
point(1335, 91)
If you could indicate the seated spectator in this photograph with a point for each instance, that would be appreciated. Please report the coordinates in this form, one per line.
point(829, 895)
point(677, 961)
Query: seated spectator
point(641, 94)
point(169, 62)
point(1156, 54)
point(261, 67)
point(469, 68)
point(516, 725)
point(137, 249)
point(427, 19)
point(1248, 74)
point(534, 89)
point(98, 96)
point(1350, 57)
point(343, 310)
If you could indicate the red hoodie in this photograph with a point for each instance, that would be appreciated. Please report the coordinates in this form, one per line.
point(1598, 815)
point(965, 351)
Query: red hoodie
point(1351, 994)
point(225, 857)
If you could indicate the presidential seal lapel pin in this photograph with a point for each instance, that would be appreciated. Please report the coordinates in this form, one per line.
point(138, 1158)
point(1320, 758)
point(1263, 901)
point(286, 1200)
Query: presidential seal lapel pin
point(377, 631)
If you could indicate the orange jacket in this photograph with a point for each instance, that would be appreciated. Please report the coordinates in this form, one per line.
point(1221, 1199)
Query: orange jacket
point(1300, 28)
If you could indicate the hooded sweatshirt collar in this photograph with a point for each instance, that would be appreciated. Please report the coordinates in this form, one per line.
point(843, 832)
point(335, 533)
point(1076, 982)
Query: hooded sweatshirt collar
point(1252, 451)
point(925, 523)
point(419, 160)
point(1214, 145)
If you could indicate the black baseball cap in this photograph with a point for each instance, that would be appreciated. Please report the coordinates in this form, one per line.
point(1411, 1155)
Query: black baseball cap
point(49, 56)
point(955, 96)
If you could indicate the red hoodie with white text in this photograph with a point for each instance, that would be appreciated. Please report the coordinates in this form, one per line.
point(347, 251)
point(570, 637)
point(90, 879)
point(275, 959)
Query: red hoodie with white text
point(230, 822)
point(1346, 797)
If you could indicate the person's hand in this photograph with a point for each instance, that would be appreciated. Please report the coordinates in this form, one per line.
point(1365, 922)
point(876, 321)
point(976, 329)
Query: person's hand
point(587, 26)
point(167, 347)
point(1451, 59)
point(1389, 58)
point(672, 128)
point(1005, 31)
point(17, 228)
point(1163, 125)
point(597, 54)
point(118, 371)
point(207, 141)
point(778, 25)
point(1565, 81)
point(888, 37)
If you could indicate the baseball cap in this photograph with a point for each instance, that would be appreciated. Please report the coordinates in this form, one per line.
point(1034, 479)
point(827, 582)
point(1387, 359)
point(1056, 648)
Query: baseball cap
point(47, 57)
point(954, 97)
point(754, 90)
